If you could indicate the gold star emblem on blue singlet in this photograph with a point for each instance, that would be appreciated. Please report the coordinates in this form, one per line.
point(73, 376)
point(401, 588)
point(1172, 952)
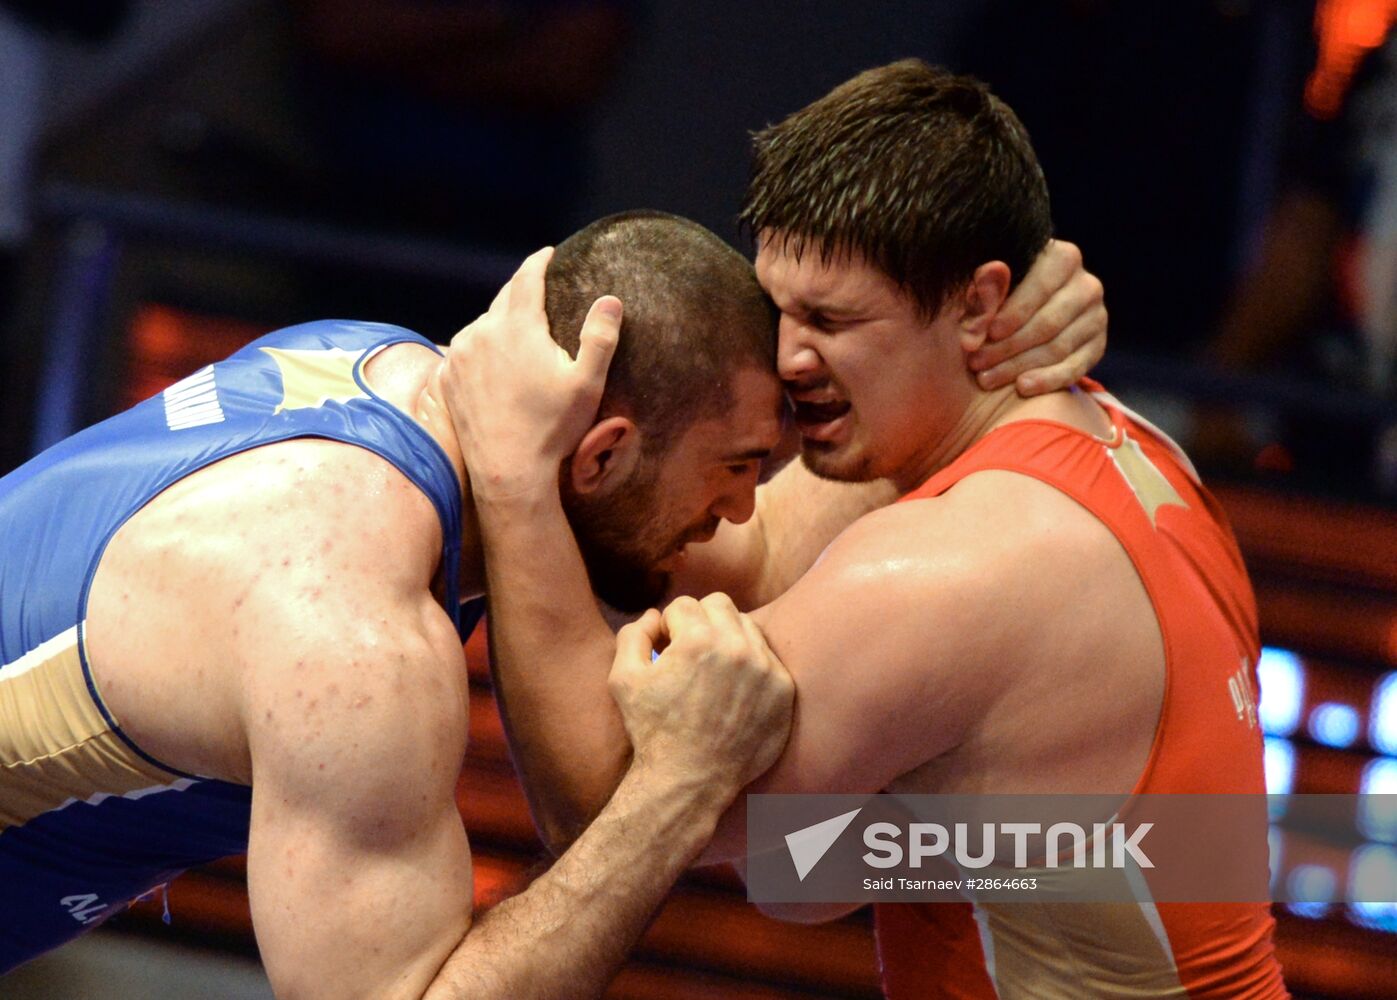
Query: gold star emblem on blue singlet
point(311, 378)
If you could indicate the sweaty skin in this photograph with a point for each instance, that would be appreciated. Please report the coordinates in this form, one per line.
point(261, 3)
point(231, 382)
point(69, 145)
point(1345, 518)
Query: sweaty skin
point(566, 737)
point(914, 640)
point(271, 620)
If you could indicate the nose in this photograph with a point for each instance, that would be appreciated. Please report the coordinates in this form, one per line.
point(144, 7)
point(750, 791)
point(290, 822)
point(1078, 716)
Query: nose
point(738, 504)
point(796, 357)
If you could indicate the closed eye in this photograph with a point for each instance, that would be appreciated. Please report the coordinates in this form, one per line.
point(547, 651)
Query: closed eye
point(741, 461)
point(828, 324)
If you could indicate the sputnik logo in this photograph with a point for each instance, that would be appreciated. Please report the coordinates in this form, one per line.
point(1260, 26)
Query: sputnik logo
point(810, 844)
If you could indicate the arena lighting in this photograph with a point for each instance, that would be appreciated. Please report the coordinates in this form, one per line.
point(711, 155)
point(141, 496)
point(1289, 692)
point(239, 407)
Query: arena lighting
point(1344, 31)
point(1334, 725)
point(1382, 723)
point(1280, 766)
point(1375, 866)
point(1372, 866)
point(1379, 777)
point(1377, 812)
point(1282, 679)
point(1318, 884)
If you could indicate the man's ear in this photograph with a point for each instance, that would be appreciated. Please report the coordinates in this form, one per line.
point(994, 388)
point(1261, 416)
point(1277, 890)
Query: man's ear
point(606, 457)
point(988, 288)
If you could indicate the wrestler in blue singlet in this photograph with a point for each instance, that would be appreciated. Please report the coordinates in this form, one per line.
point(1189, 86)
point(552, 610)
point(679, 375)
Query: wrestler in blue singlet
point(88, 821)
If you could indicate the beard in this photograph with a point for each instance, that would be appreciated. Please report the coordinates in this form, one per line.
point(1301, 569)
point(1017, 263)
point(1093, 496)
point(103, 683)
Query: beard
point(619, 554)
point(836, 466)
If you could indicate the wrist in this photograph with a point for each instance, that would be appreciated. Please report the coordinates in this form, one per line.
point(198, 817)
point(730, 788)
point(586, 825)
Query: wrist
point(700, 795)
point(531, 486)
point(688, 801)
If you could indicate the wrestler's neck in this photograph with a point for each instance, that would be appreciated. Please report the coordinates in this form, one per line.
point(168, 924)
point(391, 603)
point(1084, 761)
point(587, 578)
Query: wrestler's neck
point(984, 412)
point(403, 376)
point(432, 414)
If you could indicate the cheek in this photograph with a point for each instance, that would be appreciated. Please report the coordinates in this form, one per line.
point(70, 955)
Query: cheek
point(701, 502)
point(893, 405)
point(691, 510)
point(673, 512)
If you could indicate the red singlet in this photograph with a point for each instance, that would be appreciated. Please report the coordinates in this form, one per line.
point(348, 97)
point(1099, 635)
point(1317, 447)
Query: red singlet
point(1208, 741)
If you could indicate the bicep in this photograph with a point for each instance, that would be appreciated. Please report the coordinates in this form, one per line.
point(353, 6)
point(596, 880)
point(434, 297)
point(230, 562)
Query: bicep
point(337, 915)
point(879, 649)
point(358, 867)
point(869, 657)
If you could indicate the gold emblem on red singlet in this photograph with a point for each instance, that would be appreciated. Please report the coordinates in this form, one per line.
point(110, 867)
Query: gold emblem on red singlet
point(1148, 484)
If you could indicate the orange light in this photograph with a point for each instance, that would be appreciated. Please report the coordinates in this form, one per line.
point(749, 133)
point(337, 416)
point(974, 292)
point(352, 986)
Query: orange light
point(1345, 30)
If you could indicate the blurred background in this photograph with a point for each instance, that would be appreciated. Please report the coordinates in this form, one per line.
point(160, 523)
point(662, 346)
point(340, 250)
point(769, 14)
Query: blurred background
point(176, 179)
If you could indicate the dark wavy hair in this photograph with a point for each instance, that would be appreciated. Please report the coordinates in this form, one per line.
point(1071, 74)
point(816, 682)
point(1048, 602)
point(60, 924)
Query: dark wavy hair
point(924, 173)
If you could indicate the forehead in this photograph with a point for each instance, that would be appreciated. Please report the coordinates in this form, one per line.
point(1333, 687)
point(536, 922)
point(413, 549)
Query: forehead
point(809, 281)
point(749, 429)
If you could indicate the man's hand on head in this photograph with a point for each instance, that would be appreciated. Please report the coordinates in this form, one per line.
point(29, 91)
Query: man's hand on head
point(1051, 330)
point(518, 402)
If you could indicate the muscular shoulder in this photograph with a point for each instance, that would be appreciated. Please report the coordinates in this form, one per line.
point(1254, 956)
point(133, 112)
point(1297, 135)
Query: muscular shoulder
point(916, 616)
point(303, 566)
point(301, 507)
point(990, 526)
point(1023, 538)
point(884, 639)
point(359, 714)
point(342, 547)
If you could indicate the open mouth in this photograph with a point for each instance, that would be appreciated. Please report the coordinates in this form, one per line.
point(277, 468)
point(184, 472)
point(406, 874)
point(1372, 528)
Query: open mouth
point(820, 421)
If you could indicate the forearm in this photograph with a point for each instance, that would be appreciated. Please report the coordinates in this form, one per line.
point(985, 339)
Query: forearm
point(551, 651)
point(565, 936)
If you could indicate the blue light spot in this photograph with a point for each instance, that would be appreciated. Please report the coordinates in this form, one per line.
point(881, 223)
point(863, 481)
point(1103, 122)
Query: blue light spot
point(1379, 777)
point(1377, 806)
point(1375, 916)
point(1280, 767)
point(1373, 884)
point(1334, 725)
point(1382, 725)
point(1282, 679)
point(1312, 884)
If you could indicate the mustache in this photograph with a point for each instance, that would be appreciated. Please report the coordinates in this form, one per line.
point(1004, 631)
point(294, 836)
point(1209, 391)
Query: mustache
point(702, 533)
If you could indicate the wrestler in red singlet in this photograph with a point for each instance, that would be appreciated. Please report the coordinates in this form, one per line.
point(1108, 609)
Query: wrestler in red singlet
point(1143, 489)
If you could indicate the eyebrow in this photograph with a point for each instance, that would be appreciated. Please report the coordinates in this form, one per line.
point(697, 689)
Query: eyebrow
point(829, 311)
